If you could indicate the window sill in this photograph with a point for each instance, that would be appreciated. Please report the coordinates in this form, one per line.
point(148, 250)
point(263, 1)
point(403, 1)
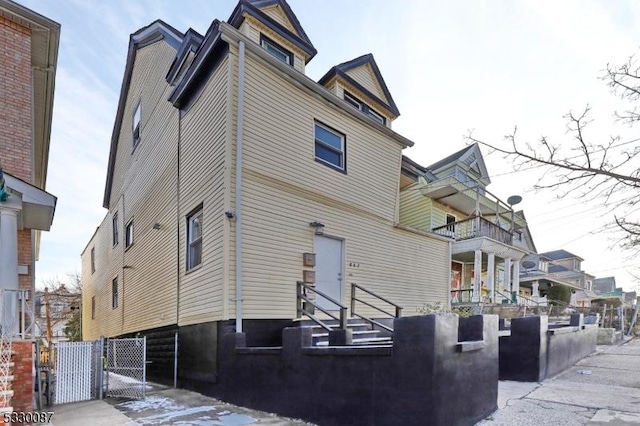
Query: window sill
point(195, 268)
point(126, 249)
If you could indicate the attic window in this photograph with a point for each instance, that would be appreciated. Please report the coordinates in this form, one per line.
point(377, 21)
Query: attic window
point(276, 50)
point(357, 104)
point(136, 126)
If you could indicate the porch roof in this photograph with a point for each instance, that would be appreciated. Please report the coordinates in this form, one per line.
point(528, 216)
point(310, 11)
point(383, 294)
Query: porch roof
point(450, 191)
point(36, 206)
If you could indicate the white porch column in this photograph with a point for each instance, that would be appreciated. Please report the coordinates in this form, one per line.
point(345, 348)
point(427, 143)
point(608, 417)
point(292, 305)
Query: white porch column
point(515, 282)
point(477, 272)
point(9, 268)
point(491, 285)
point(535, 290)
point(507, 277)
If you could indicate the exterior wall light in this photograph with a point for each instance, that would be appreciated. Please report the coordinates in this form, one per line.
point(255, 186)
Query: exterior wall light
point(156, 225)
point(319, 227)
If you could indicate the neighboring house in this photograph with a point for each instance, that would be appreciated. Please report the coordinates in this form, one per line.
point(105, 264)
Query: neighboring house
point(631, 298)
point(29, 43)
point(53, 310)
point(604, 285)
point(568, 267)
point(229, 169)
point(450, 198)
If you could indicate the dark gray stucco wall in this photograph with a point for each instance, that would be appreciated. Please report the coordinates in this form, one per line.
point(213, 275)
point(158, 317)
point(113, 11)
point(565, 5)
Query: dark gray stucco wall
point(421, 380)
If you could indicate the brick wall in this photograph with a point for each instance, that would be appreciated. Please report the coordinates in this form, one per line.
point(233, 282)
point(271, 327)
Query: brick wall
point(24, 257)
point(15, 93)
point(23, 376)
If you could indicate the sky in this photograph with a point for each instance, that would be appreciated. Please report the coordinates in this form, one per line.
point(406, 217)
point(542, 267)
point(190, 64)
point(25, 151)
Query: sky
point(452, 67)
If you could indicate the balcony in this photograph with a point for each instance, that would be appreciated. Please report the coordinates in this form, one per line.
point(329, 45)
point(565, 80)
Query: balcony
point(475, 227)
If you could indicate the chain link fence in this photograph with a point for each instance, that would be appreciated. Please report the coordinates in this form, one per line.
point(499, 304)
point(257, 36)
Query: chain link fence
point(125, 370)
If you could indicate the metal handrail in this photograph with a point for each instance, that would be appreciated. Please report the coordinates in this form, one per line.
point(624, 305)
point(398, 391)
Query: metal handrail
point(354, 299)
point(302, 297)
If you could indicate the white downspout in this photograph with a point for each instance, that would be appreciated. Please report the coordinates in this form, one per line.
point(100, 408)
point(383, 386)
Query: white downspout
point(239, 140)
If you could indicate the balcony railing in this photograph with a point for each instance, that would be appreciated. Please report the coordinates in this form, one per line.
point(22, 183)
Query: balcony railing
point(475, 227)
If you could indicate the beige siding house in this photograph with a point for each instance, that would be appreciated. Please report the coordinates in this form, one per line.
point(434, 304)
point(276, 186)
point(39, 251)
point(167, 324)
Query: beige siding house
point(223, 155)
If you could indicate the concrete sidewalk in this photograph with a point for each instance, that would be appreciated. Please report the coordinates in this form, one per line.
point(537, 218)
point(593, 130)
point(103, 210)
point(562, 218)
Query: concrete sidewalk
point(602, 389)
point(164, 406)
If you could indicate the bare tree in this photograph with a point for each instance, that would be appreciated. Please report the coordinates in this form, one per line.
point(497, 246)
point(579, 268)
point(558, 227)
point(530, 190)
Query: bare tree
point(60, 304)
point(606, 171)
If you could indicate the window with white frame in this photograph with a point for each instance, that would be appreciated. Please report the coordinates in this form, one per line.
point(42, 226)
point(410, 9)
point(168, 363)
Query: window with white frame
point(114, 228)
point(330, 147)
point(136, 125)
point(93, 260)
point(93, 307)
point(358, 104)
point(276, 50)
point(194, 239)
point(128, 234)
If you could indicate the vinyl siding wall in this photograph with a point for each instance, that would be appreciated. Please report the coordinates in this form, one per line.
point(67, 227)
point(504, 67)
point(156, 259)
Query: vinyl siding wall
point(204, 181)
point(284, 189)
point(365, 76)
point(143, 190)
point(422, 212)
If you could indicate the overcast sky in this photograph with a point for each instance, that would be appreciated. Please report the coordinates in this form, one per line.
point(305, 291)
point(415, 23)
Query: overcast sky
point(451, 66)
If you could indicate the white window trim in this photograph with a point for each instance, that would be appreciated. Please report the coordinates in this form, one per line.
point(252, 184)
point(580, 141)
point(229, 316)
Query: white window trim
point(135, 125)
point(128, 234)
point(196, 213)
point(342, 149)
point(272, 47)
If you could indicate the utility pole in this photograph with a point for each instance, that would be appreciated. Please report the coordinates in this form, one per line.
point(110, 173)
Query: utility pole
point(48, 316)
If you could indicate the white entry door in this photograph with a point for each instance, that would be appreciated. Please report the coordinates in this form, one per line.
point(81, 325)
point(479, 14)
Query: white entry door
point(329, 273)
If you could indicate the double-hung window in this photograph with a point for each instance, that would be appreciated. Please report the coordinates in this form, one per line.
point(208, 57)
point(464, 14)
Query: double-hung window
point(357, 104)
point(114, 293)
point(93, 260)
point(93, 307)
point(330, 147)
point(128, 234)
point(194, 239)
point(136, 126)
point(276, 50)
point(114, 228)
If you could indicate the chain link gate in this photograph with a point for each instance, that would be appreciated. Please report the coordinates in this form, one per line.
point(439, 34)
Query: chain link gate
point(125, 373)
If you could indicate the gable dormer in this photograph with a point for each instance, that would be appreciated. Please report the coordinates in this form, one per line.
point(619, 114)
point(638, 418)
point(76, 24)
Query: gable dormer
point(190, 44)
point(273, 25)
point(466, 165)
point(359, 83)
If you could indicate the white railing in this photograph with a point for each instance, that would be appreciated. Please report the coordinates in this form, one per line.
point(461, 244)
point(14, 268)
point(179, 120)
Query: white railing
point(16, 314)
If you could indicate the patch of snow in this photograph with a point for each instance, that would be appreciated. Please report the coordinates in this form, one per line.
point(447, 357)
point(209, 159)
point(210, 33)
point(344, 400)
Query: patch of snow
point(166, 418)
point(152, 402)
point(235, 419)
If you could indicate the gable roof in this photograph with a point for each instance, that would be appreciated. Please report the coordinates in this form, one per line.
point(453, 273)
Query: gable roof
point(459, 158)
point(152, 33)
point(298, 38)
point(560, 254)
point(414, 170)
point(190, 44)
point(340, 70)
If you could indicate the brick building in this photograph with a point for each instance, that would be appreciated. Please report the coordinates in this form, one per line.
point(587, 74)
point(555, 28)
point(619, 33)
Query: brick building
point(29, 46)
